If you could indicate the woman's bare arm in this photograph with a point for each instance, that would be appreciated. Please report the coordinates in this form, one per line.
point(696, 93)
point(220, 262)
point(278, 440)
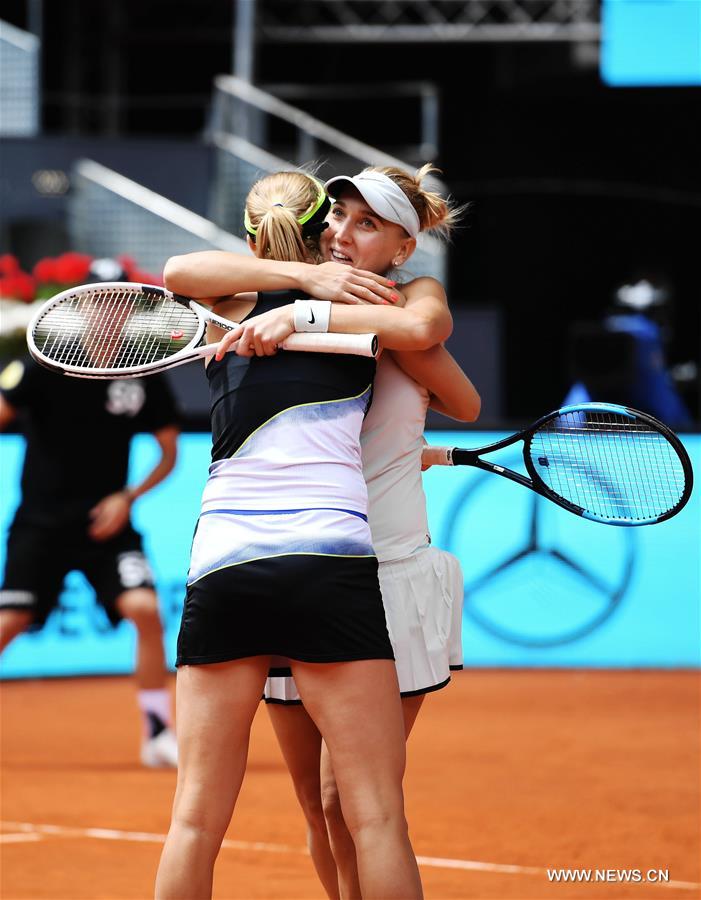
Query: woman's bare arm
point(422, 323)
point(234, 308)
point(217, 273)
point(452, 392)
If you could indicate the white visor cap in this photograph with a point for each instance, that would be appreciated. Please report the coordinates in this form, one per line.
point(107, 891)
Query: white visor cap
point(382, 195)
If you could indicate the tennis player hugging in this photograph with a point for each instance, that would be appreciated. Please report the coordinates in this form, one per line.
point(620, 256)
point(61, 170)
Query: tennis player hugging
point(310, 486)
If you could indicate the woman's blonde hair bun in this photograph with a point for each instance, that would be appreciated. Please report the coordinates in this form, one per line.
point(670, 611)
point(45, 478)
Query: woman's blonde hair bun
point(436, 213)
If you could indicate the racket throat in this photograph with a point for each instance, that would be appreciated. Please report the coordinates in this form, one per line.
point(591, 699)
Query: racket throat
point(495, 469)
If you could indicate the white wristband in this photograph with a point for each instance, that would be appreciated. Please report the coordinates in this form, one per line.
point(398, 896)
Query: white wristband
point(312, 315)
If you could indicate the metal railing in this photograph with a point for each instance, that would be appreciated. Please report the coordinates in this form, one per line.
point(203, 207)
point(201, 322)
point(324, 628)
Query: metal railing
point(416, 102)
point(255, 132)
point(238, 164)
point(19, 82)
point(401, 21)
point(110, 215)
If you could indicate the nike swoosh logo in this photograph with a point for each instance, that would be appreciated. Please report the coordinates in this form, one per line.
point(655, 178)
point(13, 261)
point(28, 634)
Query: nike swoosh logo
point(312, 320)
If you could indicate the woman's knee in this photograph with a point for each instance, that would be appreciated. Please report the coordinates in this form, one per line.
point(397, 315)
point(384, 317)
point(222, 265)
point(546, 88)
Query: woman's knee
point(331, 803)
point(364, 813)
point(200, 828)
point(198, 811)
point(309, 797)
point(370, 827)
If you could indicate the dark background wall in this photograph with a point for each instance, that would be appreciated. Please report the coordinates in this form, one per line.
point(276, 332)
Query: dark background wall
point(574, 187)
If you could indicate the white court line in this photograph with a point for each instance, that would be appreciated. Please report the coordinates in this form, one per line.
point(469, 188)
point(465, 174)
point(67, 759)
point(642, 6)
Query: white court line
point(436, 862)
point(22, 838)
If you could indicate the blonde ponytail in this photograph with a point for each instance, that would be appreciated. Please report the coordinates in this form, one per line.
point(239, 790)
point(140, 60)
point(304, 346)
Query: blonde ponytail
point(274, 207)
point(279, 236)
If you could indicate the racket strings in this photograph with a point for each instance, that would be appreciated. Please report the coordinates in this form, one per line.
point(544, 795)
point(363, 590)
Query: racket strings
point(610, 465)
point(114, 329)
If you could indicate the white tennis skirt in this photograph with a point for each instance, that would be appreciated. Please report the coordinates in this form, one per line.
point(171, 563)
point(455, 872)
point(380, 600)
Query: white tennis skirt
point(422, 596)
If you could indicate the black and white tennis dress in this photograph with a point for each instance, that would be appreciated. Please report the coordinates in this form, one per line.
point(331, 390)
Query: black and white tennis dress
point(422, 586)
point(282, 560)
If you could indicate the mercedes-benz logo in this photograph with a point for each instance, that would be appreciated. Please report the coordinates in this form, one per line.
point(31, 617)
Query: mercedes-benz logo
point(535, 575)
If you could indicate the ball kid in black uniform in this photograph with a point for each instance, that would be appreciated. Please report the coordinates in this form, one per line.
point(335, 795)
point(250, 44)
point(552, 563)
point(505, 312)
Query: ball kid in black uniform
point(74, 514)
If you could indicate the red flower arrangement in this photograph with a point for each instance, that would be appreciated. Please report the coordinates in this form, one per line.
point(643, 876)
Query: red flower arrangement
point(52, 275)
point(14, 283)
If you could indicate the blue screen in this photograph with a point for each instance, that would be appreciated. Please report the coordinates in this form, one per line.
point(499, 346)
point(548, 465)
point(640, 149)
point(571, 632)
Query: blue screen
point(542, 587)
point(651, 42)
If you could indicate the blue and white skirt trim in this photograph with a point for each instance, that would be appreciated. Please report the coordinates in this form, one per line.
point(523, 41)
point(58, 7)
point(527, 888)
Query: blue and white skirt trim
point(230, 537)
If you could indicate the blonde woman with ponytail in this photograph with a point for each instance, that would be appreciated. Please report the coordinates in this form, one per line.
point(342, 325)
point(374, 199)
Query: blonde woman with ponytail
point(282, 565)
point(371, 228)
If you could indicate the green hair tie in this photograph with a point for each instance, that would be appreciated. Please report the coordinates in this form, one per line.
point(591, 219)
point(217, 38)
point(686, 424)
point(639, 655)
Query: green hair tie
point(311, 212)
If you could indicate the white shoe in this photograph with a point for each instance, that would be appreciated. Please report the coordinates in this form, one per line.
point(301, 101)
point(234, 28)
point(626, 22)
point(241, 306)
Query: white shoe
point(160, 751)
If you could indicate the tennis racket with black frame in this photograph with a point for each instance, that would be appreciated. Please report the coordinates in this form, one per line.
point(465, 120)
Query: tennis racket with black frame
point(127, 330)
point(605, 462)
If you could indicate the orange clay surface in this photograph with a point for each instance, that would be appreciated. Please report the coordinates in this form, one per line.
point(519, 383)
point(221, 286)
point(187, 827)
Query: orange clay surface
point(509, 773)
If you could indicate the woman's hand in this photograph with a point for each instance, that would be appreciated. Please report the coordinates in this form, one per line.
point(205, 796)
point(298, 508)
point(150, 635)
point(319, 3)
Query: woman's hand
point(260, 335)
point(344, 284)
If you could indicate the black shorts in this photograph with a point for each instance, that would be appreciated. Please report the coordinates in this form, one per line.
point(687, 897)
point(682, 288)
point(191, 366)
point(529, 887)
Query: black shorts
point(40, 557)
point(308, 608)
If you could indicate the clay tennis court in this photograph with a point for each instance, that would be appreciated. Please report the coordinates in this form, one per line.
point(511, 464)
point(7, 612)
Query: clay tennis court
point(510, 773)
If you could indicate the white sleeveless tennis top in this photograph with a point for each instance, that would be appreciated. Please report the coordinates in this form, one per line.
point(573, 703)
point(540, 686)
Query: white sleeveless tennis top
point(286, 475)
point(391, 442)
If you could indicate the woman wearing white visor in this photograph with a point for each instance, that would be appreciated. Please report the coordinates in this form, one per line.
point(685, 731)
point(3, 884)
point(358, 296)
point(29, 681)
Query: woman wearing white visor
point(421, 585)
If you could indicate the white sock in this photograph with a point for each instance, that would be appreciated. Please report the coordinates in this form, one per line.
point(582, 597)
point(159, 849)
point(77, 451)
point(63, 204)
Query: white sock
point(155, 703)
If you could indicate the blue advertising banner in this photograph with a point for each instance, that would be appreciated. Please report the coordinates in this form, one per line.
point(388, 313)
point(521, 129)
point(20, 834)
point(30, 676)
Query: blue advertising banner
point(542, 587)
point(651, 43)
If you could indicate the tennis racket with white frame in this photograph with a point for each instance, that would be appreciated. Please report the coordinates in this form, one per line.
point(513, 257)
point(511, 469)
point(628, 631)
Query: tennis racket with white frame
point(126, 330)
point(605, 462)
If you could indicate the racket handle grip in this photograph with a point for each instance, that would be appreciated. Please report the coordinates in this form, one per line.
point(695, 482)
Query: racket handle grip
point(327, 342)
point(437, 456)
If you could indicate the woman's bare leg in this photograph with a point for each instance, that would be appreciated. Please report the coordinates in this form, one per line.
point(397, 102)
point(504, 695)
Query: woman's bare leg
point(357, 708)
point(340, 839)
point(300, 742)
point(215, 707)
